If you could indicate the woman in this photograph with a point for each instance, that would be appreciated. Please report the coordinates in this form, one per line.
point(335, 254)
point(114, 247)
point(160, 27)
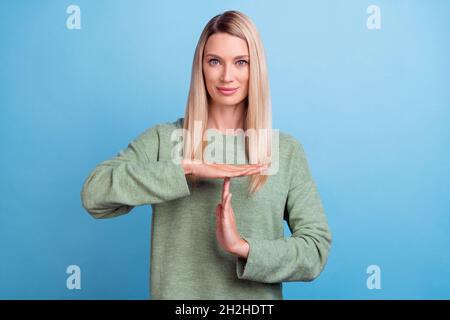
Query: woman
point(206, 243)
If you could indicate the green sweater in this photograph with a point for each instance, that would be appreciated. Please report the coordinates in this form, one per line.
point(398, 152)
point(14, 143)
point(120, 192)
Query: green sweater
point(186, 260)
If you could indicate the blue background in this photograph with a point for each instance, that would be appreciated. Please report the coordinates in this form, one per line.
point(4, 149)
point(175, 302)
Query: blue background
point(371, 108)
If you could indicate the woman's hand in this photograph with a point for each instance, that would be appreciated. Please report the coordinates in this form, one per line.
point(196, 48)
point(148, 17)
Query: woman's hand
point(220, 171)
point(226, 228)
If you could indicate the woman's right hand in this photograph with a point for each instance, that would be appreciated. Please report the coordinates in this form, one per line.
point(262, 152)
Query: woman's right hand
point(220, 171)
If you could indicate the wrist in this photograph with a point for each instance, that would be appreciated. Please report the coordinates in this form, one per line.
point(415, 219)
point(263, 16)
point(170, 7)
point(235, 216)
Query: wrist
point(242, 249)
point(187, 168)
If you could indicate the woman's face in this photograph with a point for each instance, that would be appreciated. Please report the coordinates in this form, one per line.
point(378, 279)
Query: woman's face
point(226, 64)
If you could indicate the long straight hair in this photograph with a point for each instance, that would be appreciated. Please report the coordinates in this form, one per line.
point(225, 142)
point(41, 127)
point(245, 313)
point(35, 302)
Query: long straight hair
point(258, 113)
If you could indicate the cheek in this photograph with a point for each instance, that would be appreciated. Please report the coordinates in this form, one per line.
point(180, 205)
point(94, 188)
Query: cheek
point(210, 80)
point(243, 74)
point(210, 76)
point(244, 78)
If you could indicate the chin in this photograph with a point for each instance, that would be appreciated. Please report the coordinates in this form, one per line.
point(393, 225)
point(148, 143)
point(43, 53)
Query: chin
point(229, 100)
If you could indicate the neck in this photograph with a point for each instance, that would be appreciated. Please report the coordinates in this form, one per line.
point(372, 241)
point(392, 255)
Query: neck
point(227, 117)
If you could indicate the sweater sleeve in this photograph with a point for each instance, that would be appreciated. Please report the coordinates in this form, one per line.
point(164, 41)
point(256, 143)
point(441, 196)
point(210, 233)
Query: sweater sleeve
point(134, 177)
point(302, 256)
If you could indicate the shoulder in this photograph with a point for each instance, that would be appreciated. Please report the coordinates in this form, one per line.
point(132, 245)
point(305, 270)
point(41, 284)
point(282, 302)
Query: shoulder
point(289, 144)
point(161, 130)
point(156, 139)
point(292, 154)
point(170, 125)
point(164, 130)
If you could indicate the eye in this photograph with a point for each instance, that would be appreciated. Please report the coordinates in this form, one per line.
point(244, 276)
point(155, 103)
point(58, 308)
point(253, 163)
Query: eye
point(242, 62)
point(211, 61)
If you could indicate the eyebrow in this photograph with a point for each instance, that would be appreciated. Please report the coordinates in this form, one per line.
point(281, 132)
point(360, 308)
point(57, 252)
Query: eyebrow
point(215, 55)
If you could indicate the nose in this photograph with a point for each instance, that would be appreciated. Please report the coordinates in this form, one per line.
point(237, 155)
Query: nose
point(227, 73)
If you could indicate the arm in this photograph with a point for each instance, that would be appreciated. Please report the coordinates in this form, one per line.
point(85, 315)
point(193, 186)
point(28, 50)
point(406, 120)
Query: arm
point(302, 256)
point(134, 177)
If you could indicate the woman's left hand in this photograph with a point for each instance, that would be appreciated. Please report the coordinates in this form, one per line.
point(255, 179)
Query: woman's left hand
point(226, 228)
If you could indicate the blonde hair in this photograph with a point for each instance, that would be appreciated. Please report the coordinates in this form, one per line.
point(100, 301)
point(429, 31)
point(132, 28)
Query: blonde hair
point(258, 113)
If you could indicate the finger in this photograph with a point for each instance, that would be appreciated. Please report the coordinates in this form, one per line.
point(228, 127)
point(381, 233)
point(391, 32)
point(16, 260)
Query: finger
point(231, 216)
point(261, 169)
point(218, 213)
point(224, 199)
point(246, 166)
point(223, 214)
point(223, 173)
point(248, 172)
point(227, 212)
point(225, 188)
point(236, 171)
point(227, 185)
point(237, 168)
point(223, 192)
point(249, 167)
point(227, 204)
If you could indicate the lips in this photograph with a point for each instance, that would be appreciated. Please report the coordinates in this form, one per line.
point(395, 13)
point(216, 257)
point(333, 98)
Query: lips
point(227, 91)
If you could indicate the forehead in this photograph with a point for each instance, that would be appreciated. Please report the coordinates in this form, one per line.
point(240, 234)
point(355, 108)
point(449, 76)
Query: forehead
point(226, 45)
